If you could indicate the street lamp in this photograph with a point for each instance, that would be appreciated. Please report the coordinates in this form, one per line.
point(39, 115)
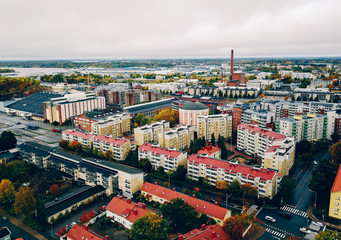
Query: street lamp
point(227, 197)
point(243, 197)
point(315, 197)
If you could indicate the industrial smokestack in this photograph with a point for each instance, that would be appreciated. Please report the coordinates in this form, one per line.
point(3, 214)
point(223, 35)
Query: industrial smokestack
point(231, 67)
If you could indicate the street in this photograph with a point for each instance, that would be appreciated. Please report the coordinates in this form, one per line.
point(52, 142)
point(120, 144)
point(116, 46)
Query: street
point(16, 231)
point(301, 200)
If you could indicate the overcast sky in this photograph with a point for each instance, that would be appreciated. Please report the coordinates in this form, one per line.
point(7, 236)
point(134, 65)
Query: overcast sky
point(112, 29)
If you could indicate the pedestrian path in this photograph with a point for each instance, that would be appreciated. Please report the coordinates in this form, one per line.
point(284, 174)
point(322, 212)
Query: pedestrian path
point(294, 210)
point(276, 232)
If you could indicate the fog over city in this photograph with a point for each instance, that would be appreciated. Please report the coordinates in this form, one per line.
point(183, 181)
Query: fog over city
point(103, 29)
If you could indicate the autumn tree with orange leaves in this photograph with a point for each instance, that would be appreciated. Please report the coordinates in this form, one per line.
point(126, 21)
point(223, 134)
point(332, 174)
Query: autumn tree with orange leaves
point(222, 185)
point(236, 225)
point(169, 115)
point(74, 145)
point(250, 191)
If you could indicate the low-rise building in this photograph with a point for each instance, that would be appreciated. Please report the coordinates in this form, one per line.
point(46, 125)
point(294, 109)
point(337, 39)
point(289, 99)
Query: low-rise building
point(210, 151)
point(320, 94)
point(83, 138)
point(213, 232)
point(149, 132)
point(179, 138)
point(189, 112)
point(335, 197)
point(220, 124)
point(83, 232)
point(164, 195)
point(266, 181)
point(162, 157)
point(150, 109)
point(126, 212)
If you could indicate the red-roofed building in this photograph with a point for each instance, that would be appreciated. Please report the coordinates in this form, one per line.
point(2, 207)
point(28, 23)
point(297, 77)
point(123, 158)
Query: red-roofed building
point(210, 151)
point(335, 197)
point(211, 232)
point(255, 140)
point(83, 138)
point(80, 232)
point(120, 147)
point(162, 157)
point(125, 211)
point(266, 181)
point(163, 195)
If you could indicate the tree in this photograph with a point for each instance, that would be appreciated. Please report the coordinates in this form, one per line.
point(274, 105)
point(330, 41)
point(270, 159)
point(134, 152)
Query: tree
point(213, 139)
point(7, 192)
point(307, 158)
point(180, 214)
point(54, 189)
point(145, 165)
point(303, 147)
point(17, 170)
point(236, 225)
point(7, 140)
point(149, 227)
point(63, 144)
point(287, 187)
point(25, 202)
point(335, 152)
point(109, 155)
point(234, 188)
point(249, 190)
point(74, 145)
point(180, 173)
point(222, 185)
point(327, 235)
point(335, 137)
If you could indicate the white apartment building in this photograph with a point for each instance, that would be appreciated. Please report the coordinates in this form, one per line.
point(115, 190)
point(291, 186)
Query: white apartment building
point(83, 138)
point(178, 138)
point(255, 140)
point(310, 127)
point(266, 181)
point(260, 83)
point(260, 118)
point(149, 133)
point(219, 124)
point(162, 157)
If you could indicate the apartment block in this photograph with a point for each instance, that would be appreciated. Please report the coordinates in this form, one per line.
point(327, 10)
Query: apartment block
point(220, 124)
point(120, 147)
point(163, 195)
point(255, 141)
point(260, 118)
point(112, 176)
point(162, 157)
point(310, 127)
point(335, 197)
point(83, 138)
point(116, 125)
point(149, 132)
point(178, 138)
point(266, 181)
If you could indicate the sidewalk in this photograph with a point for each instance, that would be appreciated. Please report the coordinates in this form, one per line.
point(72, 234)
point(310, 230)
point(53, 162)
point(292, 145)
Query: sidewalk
point(314, 218)
point(22, 225)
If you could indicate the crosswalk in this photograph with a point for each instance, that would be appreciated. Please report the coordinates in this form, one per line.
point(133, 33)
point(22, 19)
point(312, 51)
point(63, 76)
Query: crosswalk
point(294, 210)
point(276, 232)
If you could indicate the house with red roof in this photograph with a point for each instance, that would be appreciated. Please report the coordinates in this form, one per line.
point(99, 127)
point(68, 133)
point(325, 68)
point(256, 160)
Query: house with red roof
point(83, 138)
point(211, 232)
point(163, 195)
point(80, 232)
point(210, 151)
point(335, 197)
point(126, 212)
point(266, 181)
point(162, 157)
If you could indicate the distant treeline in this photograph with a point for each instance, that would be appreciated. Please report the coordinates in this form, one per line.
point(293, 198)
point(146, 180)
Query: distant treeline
point(77, 78)
point(6, 70)
point(18, 87)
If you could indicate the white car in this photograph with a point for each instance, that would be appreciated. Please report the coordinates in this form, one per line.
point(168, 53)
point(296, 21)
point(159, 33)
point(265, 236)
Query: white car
point(305, 230)
point(318, 224)
point(271, 219)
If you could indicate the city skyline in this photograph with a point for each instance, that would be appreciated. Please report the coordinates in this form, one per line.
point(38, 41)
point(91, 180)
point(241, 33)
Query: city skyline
point(169, 29)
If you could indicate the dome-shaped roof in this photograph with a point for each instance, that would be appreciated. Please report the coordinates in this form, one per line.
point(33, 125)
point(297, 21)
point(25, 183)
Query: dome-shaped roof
point(193, 106)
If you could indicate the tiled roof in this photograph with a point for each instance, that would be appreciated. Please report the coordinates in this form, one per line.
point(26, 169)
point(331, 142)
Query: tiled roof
point(209, 150)
point(271, 134)
point(199, 205)
point(160, 150)
point(127, 209)
point(78, 134)
point(118, 141)
point(79, 232)
point(337, 182)
point(243, 169)
point(213, 232)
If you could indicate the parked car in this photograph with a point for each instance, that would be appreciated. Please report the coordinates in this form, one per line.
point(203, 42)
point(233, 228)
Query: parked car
point(4, 219)
point(271, 219)
point(284, 214)
point(305, 230)
point(315, 162)
point(318, 224)
point(56, 130)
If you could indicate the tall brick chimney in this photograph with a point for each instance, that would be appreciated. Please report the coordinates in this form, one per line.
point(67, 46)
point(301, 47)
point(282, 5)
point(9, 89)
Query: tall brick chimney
point(231, 67)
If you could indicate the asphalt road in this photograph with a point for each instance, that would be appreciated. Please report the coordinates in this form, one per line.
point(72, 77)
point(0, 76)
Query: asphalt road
point(301, 200)
point(16, 231)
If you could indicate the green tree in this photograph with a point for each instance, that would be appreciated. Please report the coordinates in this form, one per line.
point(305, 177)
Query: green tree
point(180, 173)
point(25, 202)
point(234, 188)
point(303, 147)
point(108, 155)
point(327, 235)
point(180, 214)
point(149, 227)
point(17, 170)
point(7, 140)
point(7, 193)
point(145, 165)
point(335, 137)
point(213, 139)
point(287, 187)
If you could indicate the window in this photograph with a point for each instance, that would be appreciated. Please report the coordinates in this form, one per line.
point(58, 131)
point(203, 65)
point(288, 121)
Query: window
point(337, 198)
point(337, 204)
point(336, 209)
